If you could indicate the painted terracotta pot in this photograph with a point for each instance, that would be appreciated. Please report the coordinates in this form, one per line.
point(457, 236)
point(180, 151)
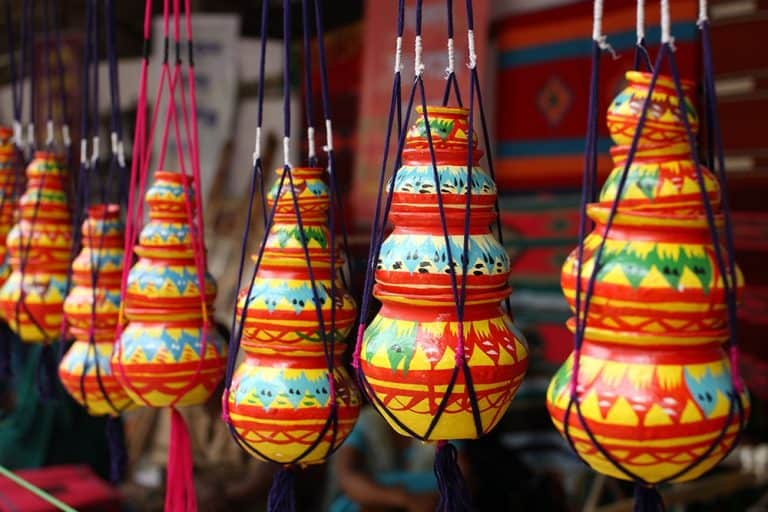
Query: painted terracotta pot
point(415, 188)
point(9, 173)
point(663, 123)
point(92, 309)
point(281, 397)
point(656, 412)
point(661, 178)
point(168, 354)
point(408, 355)
point(658, 275)
point(281, 309)
point(38, 246)
point(280, 405)
point(414, 259)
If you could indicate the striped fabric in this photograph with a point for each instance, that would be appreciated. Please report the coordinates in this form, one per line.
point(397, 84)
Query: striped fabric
point(543, 85)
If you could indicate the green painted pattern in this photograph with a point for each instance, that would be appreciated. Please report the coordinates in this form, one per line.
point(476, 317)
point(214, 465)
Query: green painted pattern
point(438, 126)
point(671, 265)
point(284, 235)
point(643, 177)
point(397, 337)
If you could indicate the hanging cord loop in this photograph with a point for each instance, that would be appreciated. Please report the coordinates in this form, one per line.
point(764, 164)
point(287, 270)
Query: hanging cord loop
point(597, 29)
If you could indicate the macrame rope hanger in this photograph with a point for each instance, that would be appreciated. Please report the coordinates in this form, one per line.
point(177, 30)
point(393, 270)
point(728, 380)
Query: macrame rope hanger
point(458, 290)
point(647, 497)
point(642, 57)
point(281, 495)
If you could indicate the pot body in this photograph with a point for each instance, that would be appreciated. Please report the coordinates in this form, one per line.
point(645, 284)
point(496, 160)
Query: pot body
point(9, 173)
point(159, 364)
point(663, 124)
point(657, 275)
point(280, 404)
point(411, 355)
point(284, 393)
point(169, 354)
point(662, 178)
point(414, 258)
point(38, 246)
point(99, 391)
point(281, 309)
point(656, 412)
point(655, 389)
point(408, 356)
point(92, 309)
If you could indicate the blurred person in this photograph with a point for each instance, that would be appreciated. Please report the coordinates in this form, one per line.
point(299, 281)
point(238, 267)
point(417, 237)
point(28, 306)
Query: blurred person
point(378, 470)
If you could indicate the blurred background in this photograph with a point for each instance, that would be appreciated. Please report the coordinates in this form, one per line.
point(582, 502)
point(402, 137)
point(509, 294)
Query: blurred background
point(535, 61)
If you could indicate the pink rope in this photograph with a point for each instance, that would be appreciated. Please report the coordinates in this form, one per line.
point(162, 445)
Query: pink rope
point(358, 346)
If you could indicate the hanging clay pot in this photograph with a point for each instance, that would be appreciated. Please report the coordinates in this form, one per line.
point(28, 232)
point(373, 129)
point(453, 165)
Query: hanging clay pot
point(654, 411)
point(168, 354)
point(658, 275)
point(9, 172)
point(663, 123)
point(31, 299)
point(654, 384)
point(662, 178)
point(408, 355)
point(282, 395)
point(85, 370)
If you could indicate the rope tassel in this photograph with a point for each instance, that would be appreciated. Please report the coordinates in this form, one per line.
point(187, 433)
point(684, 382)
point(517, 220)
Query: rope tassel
point(117, 449)
point(647, 499)
point(6, 342)
point(179, 487)
point(281, 495)
point(453, 489)
point(47, 377)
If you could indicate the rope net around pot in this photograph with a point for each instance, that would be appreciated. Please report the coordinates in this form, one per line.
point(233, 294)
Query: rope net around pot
point(652, 392)
point(290, 401)
point(168, 354)
point(441, 360)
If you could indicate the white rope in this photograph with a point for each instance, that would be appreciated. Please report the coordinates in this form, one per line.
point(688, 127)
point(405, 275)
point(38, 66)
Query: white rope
point(703, 16)
point(49, 133)
point(311, 142)
point(471, 49)
point(666, 25)
point(328, 136)
point(83, 151)
point(640, 21)
point(96, 150)
point(31, 135)
point(18, 137)
point(398, 54)
point(597, 29)
point(121, 154)
point(451, 59)
point(65, 137)
point(113, 141)
point(287, 151)
point(257, 145)
point(418, 63)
